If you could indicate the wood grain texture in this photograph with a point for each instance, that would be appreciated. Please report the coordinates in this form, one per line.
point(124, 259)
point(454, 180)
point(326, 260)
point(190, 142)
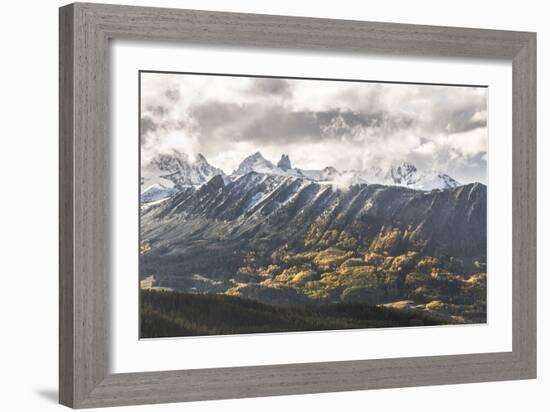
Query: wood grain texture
point(66, 229)
point(85, 31)
point(84, 254)
point(524, 225)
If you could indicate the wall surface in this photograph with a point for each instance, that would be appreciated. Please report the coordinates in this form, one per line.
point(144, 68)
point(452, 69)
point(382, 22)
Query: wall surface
point(28, 205)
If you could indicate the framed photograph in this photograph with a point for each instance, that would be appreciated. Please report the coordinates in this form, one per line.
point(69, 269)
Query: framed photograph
point(257, 205)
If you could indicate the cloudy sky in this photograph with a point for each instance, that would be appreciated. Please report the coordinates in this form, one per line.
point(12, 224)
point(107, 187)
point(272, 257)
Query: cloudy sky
point(348, 125)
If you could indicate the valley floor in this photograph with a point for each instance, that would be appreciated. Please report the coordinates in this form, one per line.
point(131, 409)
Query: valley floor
point(173, 314)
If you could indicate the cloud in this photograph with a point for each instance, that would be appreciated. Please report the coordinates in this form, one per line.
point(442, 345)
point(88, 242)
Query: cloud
point(213, 115)
point(464, 121)
point(319, 123)
point(266, 123)
point(343, 181)
point(271, 87)
point(172, 94)
point(147, 125)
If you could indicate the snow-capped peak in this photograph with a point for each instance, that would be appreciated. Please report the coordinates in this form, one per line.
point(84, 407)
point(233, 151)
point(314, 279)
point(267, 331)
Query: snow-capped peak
point(254, 163)
point(407, 174)
point(399, 174)
point(176, 170)
point(436, 181)
point(168, 173)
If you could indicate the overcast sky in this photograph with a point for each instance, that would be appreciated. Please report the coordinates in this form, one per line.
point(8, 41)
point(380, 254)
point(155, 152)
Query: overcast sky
point(348, 125)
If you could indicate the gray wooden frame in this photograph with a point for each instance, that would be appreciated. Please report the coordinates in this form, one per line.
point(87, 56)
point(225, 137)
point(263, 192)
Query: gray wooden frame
point(85, 31)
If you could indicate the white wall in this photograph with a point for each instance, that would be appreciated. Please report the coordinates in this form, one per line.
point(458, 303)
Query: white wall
point(28, 203)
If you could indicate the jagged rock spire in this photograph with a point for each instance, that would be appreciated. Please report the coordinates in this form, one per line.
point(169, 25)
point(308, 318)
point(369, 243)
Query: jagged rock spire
point(284, 163)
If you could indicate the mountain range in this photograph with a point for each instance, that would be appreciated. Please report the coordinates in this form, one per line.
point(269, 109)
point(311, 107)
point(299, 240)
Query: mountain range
point(280, 235)
point(168, 174)
point(271, 247)
point(204, 236)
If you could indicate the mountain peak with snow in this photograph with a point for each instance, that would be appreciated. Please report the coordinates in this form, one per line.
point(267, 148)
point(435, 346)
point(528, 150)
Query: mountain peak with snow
point(168, 172)
point(254, 163)
point(408, 175)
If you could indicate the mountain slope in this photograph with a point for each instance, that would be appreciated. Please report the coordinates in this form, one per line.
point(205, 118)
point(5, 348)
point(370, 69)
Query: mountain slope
point(259, 213)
